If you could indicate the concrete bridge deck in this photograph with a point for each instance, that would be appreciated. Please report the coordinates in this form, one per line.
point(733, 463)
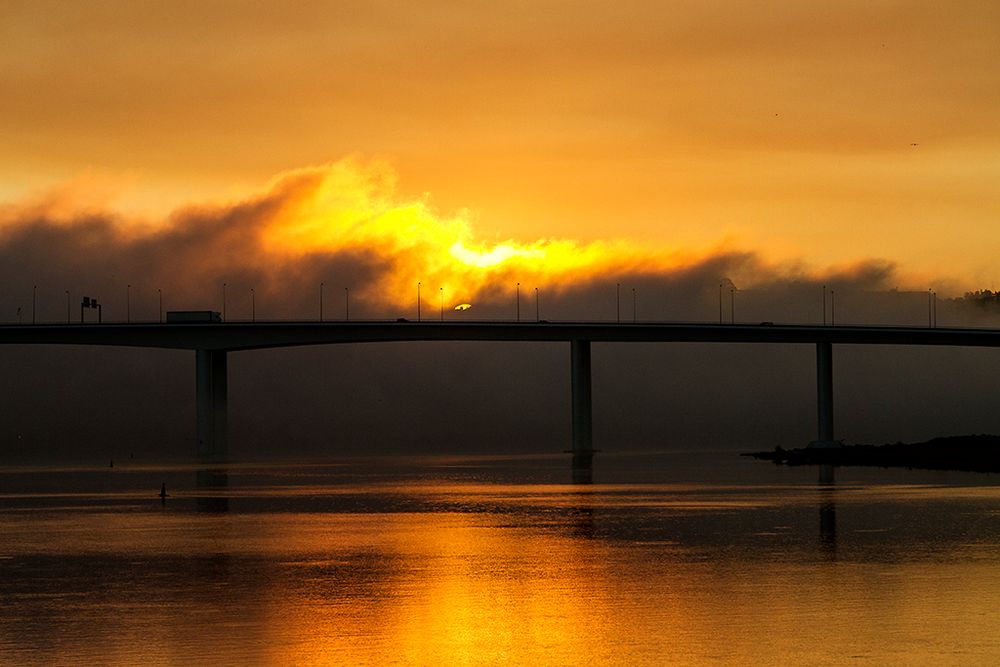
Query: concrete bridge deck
point(234, 336)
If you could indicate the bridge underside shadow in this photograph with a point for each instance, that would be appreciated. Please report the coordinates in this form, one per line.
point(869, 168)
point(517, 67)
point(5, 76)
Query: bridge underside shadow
point(212, 384)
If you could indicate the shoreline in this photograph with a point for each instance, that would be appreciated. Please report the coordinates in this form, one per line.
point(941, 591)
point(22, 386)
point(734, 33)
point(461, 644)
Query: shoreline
point(965, 453)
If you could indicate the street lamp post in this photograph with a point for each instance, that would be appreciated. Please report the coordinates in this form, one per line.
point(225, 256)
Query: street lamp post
point(442, 303)
point(824, 305)
point(34, 292)
point(732, 306)
point(253, 306)
point(223, 302)
point(833, 308)
point(418, 301)
point(517, 308)
point(618, 303)
point(720, 303)
point(635, 303)
point(347, 304)
point(128, 304)
point(321, 302)
point(537, 318)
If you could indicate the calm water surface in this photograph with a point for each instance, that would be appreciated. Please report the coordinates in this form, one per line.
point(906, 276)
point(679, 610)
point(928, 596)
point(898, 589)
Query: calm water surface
point(681, 558)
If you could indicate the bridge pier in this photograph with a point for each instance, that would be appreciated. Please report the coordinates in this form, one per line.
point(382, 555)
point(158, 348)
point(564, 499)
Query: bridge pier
point(824, 406)
point(583, 429)
point(211, 372)
point(824, 394)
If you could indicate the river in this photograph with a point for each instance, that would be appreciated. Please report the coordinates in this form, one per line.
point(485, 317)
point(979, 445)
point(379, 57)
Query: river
point(674, 558)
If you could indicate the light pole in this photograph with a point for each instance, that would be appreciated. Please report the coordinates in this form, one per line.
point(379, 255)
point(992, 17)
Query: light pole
point(253, 306)
point(928, 309)
point(635, 303)
point(34, 292)
point(347, 304)
point(720, 303)
point(128, 304)
point(159, 298)
point(321, 302)
point(537, 318)
point(833, 308)
point(418, 301)
point(824, 305)
point(223, 302)
point(732, 306)
point(442, 303)
point(517, 308)
point(935, 310)
point(618, 303)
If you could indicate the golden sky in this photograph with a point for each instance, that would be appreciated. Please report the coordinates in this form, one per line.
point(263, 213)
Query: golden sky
point(821, 133)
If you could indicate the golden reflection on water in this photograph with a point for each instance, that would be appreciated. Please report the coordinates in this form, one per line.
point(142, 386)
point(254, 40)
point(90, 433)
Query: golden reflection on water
point(467, 592)
point(479, 573)
point(458, 590)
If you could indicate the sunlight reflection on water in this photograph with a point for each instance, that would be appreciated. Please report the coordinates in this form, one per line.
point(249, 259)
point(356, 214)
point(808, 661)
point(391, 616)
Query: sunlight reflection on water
point(454, 561)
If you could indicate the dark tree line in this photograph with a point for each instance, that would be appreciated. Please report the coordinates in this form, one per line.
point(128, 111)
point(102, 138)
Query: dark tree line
point(983, 298)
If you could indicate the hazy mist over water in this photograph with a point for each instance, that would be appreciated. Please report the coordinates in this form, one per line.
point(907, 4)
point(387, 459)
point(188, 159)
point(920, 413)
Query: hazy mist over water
point(92, 405)
point(688, 557)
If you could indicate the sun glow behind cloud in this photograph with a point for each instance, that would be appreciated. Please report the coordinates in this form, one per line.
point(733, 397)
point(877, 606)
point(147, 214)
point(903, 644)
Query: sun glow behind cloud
point(498, 254)
point(350, 205)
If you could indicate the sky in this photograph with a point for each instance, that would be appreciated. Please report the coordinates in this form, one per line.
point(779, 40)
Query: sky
point(814, 135)
point(560, 160)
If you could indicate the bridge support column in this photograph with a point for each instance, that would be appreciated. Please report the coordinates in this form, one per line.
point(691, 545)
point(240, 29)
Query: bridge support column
point(211, 374)
point(583, 431)
point(824, 395)
point(824, 407)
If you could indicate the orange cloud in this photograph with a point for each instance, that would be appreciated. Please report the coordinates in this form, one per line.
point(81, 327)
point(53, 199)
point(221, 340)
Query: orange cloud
point(349, 205)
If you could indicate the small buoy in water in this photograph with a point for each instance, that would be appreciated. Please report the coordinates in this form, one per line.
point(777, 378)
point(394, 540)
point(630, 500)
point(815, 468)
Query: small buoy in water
point(163, 490)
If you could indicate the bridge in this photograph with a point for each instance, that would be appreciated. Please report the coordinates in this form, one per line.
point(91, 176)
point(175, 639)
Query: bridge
point(211, 342)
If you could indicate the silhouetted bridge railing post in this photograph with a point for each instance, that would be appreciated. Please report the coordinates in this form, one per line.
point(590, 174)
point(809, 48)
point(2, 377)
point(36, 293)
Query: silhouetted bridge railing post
point(211, 343)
